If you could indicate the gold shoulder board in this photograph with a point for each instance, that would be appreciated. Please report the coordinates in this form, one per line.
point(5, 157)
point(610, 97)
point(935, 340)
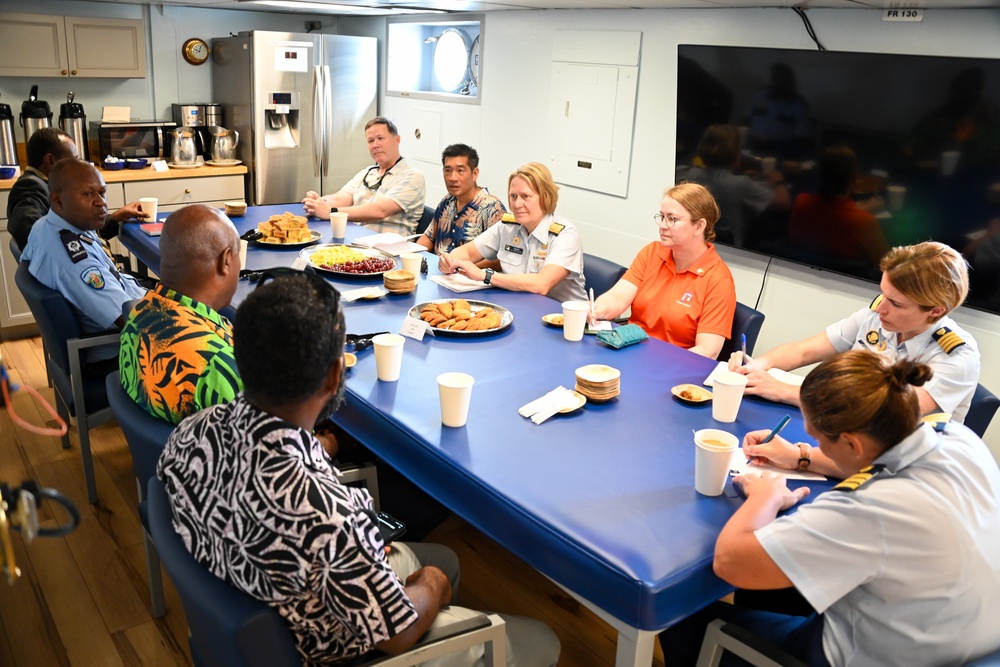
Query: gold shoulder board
point(876, 301)
point(859, 479)
point(555, 228)
point(947, 339)
point(508, 217)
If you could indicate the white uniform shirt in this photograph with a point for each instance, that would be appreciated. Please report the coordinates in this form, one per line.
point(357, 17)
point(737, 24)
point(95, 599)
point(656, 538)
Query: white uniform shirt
point(403, 184)
point(554, 241)
point(906, 567)
point(956, 373)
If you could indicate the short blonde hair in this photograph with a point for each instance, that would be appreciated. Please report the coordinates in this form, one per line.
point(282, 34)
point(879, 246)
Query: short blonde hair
point(699, 202)
point(540, 180)
point(930, 273)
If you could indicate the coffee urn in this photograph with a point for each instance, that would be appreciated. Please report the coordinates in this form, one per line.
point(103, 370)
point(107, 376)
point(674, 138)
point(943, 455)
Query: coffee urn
point(213, 115)
point(8, 149)
point(35, 114)
point(73, 121)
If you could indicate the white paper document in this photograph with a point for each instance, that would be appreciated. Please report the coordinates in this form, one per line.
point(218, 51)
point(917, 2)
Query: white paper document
point(456, 282)
point(741, 466)
point(776, 373)
point(390, 242)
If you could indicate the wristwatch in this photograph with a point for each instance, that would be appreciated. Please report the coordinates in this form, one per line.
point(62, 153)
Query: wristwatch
point(333, 209)
point(488, 276)
point(804, 456)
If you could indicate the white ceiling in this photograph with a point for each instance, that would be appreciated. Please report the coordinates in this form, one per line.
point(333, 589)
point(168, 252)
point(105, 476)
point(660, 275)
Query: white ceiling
point(387, 6)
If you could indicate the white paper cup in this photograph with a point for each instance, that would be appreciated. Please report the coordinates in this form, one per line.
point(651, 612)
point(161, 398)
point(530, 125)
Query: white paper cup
point(338, 225)
point(244, 244)
point(455, 390)
point(388, 356)
point(411, 262)
point(897, 195)
point(713, 456)
point(574, 319)
point(727, 394)
point(149, 206)
point(949, 162)
point(767, 164)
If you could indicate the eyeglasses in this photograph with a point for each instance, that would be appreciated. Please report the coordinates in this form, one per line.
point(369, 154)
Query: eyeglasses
point(667, 220)
point(378, 183)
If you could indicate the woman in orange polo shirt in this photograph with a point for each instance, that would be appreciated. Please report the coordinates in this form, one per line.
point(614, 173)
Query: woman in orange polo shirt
point(679, 288)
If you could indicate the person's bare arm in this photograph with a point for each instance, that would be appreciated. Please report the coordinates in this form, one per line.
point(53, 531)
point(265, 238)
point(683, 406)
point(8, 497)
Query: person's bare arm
point(319, 206)
point(708, 344)
point(739, 557)
point(428, 589)
point(615, 301)
point(426, 242)
point(537, 283)
point(370, 212)
point(784, 454)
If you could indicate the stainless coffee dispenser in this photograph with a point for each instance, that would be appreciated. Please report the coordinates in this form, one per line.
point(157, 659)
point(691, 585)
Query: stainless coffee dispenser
point(8, 149)
point(73, 121)
point(213, 115)
point(35, 114)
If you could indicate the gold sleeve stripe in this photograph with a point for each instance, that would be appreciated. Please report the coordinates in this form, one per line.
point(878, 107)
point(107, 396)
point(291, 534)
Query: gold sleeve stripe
point(947, 339)
point(858, 479)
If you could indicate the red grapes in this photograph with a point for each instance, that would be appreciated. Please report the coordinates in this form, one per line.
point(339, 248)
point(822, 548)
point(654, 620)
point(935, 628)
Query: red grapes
point(370, 265)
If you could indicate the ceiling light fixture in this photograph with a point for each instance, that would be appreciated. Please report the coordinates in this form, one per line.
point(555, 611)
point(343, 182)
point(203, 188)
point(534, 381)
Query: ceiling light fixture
point(341, 9)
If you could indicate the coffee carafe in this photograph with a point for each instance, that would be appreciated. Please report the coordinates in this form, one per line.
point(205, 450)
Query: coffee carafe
point(35, 114)
point(8, 149)
point(224, 144)
point(185, 149)
point(73, 121)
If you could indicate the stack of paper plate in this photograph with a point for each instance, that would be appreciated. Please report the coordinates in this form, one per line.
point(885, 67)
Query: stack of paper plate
point(598, 382)
point(399, 281)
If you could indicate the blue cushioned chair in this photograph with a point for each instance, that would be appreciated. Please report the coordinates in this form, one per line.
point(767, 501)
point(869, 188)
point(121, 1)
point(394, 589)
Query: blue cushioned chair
point(601, 274)
point(15, 249)
point(746, 321)
point(984, 405)
point(82, 395)
point(425, 220)
point(721, 637)
point(232, 629)
point(146, 437)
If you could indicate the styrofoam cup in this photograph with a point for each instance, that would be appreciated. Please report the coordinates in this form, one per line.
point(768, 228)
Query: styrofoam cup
point(455, 390)
point(149, 206)
point(338, 225)
point(713, 455)
point(411, 262)
point(727, 394)
point(388, 356)
point(574, 319)
point(244, 244)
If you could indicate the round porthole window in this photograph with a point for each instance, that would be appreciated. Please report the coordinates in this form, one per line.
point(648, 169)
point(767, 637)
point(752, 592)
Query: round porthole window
point(451, 60)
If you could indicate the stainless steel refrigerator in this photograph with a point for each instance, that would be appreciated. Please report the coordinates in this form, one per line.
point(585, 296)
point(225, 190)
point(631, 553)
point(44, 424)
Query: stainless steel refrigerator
point(300, 103)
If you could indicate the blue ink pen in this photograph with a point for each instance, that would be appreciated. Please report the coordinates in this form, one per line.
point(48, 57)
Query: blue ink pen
point(743, 346)
point(777, 429)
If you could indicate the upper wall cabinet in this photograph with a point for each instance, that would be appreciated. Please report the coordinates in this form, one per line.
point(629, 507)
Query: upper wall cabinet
point(47, 45)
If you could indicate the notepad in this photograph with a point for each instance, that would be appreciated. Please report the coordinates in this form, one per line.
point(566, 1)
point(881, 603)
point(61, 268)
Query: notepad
point(152, 228)
point(776, 373)
point(390, 242)
point(456, 282)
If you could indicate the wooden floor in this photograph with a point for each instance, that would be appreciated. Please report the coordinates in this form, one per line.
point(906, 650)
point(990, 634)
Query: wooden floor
point(83, 599)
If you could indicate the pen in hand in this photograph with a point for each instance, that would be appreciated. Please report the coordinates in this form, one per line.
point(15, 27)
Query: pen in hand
point(776, 430)
point(743, 348)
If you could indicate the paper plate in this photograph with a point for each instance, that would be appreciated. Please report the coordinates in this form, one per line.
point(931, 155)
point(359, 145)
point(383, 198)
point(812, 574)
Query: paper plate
point(553, 319)
point(691, 393)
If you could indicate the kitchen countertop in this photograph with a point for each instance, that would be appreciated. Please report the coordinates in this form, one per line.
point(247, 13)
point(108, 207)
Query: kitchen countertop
point(148, 174)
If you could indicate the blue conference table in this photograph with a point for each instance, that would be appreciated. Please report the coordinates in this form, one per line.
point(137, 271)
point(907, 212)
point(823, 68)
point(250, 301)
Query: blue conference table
point(601, 501)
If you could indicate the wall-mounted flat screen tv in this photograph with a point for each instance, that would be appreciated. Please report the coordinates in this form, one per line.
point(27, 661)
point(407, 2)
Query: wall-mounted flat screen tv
point(830, 158)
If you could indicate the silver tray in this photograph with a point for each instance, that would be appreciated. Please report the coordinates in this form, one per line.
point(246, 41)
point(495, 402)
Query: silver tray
point(314, 236)
point(506, 317)
point(371, 252)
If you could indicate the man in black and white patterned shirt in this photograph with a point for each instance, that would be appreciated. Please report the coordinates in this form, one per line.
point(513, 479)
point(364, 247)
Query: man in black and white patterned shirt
point(258, 502)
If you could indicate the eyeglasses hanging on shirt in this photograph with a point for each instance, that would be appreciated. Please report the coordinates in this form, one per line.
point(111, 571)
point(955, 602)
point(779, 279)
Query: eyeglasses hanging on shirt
point(378, 183)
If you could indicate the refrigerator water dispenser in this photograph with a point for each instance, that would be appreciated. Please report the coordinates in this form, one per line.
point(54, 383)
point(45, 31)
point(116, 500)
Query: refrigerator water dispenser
point(281, 120)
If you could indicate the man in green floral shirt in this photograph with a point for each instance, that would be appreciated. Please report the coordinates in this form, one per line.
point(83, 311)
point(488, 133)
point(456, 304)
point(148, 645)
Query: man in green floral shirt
point(177, 350)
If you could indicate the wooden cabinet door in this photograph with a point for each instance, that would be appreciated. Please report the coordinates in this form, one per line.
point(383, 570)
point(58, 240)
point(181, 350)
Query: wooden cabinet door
point(33, 45)
point(100, 47)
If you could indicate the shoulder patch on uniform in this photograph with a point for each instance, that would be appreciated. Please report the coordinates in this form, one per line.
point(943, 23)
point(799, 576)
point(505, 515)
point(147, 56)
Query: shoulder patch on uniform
point(938, 420)
point(876, 301)
point(508, 217)
point(556, 227)
point(93, 277)
point(947, 339)
point(73, 245)
point(859, 479)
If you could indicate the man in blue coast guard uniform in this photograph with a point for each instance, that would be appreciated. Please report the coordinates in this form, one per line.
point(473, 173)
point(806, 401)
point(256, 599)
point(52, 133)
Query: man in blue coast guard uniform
point(64, 253)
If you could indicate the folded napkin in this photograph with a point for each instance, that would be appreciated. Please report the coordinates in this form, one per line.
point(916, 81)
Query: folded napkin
point(548, 405)
point(362, 293)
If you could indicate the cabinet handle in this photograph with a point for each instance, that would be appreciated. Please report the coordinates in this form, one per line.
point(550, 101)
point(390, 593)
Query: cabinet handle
point(187, 191)
point(64, 72)
point(73, 72)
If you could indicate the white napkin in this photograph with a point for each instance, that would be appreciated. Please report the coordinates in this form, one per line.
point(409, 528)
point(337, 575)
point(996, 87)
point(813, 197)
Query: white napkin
point(456, 282)
point(548, 405)
point(362, 293)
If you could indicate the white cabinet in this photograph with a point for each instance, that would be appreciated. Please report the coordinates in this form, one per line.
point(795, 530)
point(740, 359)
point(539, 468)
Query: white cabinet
point(175, 193)
point(14, 311)
point(48, 45)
